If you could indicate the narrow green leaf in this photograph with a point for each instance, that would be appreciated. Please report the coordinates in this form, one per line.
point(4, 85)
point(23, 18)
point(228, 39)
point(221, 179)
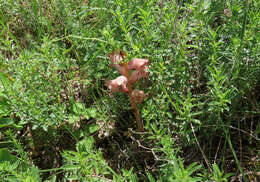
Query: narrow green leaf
point(6, 156)
point(4, 80)
point(4, 122)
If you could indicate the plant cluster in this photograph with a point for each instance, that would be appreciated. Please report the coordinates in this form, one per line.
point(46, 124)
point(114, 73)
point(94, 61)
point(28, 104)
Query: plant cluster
point(124, 83)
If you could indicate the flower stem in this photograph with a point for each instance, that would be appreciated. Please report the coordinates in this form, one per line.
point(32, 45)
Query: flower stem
point(140, 125)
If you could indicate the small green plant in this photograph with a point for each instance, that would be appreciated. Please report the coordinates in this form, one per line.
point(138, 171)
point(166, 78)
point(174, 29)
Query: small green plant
point(85, 164)
point(16, 167)
point(124, 83)
point(176, 172)
point(218, 175)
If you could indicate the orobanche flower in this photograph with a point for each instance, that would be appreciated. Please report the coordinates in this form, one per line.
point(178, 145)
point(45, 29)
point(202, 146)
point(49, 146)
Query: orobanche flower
point(130, 72)
point(138, 74)
point(118, 84)
point(138, 64)
point(141, 69)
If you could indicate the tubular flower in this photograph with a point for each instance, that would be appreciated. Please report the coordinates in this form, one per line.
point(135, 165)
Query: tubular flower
point(138, 74)
point(118, 84)
point(141, 67)
point(138, 64)
point(138, 96)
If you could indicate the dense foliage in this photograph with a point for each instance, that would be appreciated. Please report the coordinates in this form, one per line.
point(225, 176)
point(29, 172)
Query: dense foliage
point(59, 122)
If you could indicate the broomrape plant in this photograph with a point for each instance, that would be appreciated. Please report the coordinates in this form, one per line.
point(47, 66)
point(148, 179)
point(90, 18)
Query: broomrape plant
point(130, 72)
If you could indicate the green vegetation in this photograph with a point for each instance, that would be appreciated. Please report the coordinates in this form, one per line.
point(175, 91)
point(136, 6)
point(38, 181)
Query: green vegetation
point(201, 115)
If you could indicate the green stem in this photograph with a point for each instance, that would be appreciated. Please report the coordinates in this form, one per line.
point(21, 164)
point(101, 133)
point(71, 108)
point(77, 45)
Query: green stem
point(227, 136)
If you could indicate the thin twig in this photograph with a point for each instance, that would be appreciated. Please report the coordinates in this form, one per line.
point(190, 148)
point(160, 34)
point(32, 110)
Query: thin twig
point(149, 149)
point(215, 158)
point(240, 143)
point(232, 127)
point(203, 154)
point(251, 130)
point(137, 132)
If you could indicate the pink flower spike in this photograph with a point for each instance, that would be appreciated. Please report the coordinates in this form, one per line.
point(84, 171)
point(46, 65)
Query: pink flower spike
point(137, 63)
point(138, 74)
point(138, 96)
point(118, 84)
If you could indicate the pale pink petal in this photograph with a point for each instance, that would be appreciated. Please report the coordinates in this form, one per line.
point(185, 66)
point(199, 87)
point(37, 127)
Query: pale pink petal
point(138, 74)
point(137, 63)
point(138, 96)
point(117, 85)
